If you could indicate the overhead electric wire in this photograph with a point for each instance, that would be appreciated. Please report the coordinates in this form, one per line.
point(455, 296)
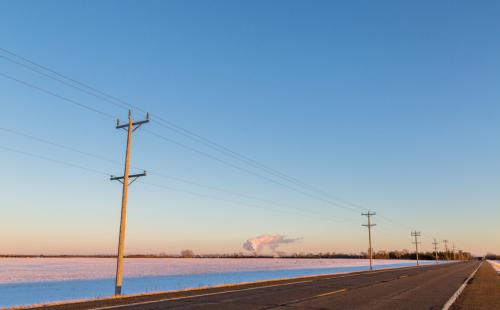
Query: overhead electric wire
point(161, 175)
point(55, 95)
point(123, 104)
point(239, 202)
point(175, 142)
point(62, 146)
point(253, 163)
point(184, 146)
point(165, 123)
point(383, 217)
point(212, 197)
point(185, 132)
point(57, 161)
point(62, 81)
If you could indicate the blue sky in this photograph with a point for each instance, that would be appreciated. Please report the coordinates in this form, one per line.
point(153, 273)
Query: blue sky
point(391, 105)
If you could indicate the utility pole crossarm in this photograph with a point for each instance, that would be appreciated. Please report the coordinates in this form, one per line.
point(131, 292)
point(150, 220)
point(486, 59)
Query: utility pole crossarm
point(132, 176)
point(135, 125)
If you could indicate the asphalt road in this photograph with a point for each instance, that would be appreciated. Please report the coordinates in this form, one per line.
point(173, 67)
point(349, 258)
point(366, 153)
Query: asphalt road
point(427, 287)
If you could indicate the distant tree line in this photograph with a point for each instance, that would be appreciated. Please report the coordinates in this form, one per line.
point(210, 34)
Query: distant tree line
point(405, 254)
point(396, 254)
point(492, 256)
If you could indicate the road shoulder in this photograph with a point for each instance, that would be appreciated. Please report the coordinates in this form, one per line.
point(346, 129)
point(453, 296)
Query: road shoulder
point(482, 291)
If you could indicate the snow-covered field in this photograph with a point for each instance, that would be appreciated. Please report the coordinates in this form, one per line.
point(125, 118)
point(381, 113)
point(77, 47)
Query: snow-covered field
point(26, 281)
point(495, 264)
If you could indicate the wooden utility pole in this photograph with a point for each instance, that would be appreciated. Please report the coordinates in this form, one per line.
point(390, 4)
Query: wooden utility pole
point(435, 249)
point(446, 249)
point(130, 126)
point(416, 234)
point(369, 226)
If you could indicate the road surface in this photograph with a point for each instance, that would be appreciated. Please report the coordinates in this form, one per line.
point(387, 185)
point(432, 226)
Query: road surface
point(425, 287)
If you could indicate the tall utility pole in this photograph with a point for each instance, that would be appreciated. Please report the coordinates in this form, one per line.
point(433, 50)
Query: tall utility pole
point(416, 234)
point(446, 248)
point(130, 127)
point(369, 225)
point(435, 249)
point(453, 251)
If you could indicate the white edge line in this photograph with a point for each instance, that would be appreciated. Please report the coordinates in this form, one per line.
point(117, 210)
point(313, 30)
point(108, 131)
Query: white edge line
point(454, 297)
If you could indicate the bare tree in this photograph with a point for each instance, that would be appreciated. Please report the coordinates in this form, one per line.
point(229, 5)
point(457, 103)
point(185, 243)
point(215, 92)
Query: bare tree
point(187, 254)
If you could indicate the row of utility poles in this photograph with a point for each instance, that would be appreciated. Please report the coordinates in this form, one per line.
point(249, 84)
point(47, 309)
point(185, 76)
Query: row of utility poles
point(126, 179)
point(414, 234)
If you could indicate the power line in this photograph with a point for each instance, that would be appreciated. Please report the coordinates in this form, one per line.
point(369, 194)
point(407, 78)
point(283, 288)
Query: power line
point(62, 81)
point(127, 106)
point(192, 193)
point(165, 123)
point(184, 145)
point(213, 197)
point(92, 155)
point(43, 90)
point(161, 175)
point(58, 145)
point(57, 161)
point(403, 226)
point(90, 90)
point(319, 193)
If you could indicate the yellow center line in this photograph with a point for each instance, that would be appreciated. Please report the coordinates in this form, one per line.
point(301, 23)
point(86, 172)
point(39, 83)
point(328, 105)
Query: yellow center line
point(331, 293)
point(296, 301)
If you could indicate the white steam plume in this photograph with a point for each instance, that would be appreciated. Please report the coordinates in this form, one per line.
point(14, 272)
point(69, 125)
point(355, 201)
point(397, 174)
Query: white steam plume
point(272, 242)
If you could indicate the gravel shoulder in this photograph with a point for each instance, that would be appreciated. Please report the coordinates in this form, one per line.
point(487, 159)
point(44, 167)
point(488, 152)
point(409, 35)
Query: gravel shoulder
point(482, 291)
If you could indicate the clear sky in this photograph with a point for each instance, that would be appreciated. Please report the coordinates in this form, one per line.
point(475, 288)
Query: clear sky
point(391, 105)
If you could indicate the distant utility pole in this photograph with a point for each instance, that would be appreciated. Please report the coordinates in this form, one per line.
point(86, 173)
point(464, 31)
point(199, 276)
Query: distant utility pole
point(369, 225)
point(416, 234)
point(453, 251)
point(446, 248)
point(435, 249)
point(130, 127)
